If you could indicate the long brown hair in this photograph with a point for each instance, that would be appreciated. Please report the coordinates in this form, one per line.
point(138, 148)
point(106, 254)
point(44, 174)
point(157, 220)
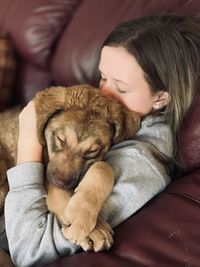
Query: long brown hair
point(167, 47)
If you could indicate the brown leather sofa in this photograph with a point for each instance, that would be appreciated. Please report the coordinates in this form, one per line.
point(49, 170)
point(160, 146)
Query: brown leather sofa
point(58, 42)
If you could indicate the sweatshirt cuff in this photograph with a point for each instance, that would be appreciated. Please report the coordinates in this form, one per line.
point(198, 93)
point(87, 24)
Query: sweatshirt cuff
point(26, 174)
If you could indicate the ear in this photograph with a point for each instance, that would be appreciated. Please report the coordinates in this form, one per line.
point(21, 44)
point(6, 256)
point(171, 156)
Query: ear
point(126, 123)
point(47, 102)
point(162, 98)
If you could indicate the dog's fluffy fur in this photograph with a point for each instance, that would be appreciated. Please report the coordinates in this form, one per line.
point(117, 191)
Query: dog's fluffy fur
point(77, 126)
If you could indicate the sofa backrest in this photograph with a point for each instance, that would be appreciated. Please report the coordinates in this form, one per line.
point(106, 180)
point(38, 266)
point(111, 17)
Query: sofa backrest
point(59, 41)
point(189, 136)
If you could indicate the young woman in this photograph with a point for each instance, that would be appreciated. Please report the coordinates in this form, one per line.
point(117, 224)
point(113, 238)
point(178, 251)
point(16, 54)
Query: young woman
point(151, 65)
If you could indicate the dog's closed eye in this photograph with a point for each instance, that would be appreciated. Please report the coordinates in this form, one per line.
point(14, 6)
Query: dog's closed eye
point(92, 152)
point(58, 141)
point(61, 138)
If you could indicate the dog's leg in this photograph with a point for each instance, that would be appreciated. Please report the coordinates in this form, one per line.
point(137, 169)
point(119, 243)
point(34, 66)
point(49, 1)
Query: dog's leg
point(57, 200)
point(81, 213)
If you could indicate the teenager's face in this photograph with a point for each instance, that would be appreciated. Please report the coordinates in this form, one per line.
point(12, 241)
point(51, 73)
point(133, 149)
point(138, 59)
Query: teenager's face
point(122, 78)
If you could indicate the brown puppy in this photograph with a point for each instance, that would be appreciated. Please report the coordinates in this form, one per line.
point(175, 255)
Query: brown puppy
point(77, 125)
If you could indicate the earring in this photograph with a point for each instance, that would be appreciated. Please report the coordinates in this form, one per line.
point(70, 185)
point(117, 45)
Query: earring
point(156, 106)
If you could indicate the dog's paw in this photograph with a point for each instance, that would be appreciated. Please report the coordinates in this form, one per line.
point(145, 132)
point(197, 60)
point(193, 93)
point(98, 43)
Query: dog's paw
point(101, 238)
point(79, 219)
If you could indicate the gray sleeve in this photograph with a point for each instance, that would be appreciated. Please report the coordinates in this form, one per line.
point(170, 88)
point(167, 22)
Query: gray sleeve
point(139, 177)
point(33, 233)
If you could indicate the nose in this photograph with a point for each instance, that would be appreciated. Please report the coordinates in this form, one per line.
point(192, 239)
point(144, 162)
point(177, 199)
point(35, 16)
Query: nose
point(105, 91)
point(59, 182)
point(69, 184)
point(106, 88)
point(108, 92)
point(63, 179)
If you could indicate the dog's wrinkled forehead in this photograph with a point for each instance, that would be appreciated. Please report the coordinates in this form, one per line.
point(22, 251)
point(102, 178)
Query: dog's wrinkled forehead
point(80, 120)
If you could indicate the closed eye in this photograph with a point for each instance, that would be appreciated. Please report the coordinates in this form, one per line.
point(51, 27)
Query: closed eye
point(92, 152)
point(121, 91)
point(60, 139)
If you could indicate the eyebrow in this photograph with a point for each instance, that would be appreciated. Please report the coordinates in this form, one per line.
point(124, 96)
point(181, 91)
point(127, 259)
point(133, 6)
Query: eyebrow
point(120, 81)
point(117, 80)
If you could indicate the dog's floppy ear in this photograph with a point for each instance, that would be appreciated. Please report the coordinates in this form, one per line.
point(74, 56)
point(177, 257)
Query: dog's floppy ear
point(125, 122)
point(47, 102)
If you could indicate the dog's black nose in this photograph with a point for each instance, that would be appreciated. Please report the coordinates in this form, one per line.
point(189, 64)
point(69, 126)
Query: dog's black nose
point(68, 184)
point(59, 182)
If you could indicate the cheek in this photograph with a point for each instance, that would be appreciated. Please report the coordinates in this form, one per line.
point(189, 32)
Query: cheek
point(142, 105)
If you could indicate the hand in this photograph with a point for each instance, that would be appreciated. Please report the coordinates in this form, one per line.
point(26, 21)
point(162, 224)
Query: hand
point(29, 148)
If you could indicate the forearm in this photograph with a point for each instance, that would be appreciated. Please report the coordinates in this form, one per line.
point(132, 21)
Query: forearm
point(34, 237)
point(29, 148)
point(28, 151)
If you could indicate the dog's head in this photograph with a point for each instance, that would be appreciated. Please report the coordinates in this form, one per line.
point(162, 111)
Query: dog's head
point(79, 125)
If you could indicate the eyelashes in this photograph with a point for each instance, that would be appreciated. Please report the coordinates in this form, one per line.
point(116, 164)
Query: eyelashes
point(114, 87)
point(61, 139)
point(58, 141)
point(92, 152)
